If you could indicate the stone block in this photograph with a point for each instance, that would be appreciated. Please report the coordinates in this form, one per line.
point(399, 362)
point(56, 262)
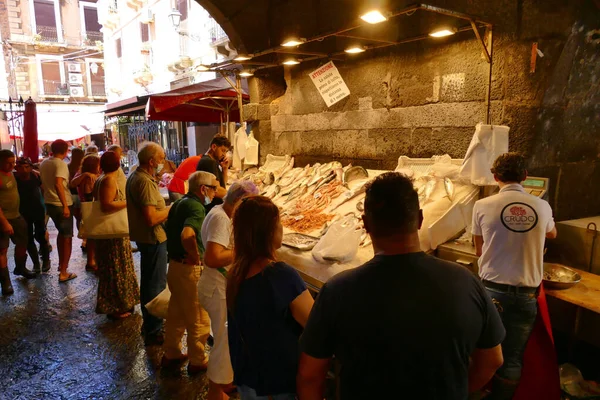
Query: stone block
point(263, 112)
point(319, 122)
point(296, 122)
point(390, 143)
point(274, 107)
point(353, 144)
point(576, 197)
point(250, 112)
point(441, 114)
point(278, 123)
point(365, 103)
point(521, 119)
point(316, 143)
point(15, 25)
point(11, 3)
point(287, 143)
point(13, 14)
point(453, 141)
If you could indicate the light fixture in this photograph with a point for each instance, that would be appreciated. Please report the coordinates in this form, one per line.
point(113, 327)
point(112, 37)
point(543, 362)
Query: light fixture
point(373, 17)
point(443, 32)
point(355, 50)
point(293, 42)
point(291, 61)
point(242, 57)
point(246, 73)
point(94, 68)
point(175, 17)
point(202, 68)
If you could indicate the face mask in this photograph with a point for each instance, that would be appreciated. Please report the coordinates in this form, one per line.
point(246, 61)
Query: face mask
point(207, 200)
point(159, 168)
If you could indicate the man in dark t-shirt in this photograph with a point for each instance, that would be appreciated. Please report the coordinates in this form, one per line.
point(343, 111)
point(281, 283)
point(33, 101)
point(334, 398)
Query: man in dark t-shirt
point(405, 321)
point(216, 162)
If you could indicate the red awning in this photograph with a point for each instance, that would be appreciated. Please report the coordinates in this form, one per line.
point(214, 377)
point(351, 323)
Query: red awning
point(210, 101)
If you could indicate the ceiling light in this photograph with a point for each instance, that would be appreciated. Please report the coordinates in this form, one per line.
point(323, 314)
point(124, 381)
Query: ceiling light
point(293, 42)
point(291, 61)
point(242, 57)
point(443, 32)
point(202, 68)
point(355, 50)
point(373, 17)
point(246, 73)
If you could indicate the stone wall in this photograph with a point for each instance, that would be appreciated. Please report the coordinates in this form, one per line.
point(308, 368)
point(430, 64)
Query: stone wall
point(425, 98)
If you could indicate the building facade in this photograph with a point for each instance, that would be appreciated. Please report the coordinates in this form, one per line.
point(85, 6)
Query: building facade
point(53, 52)
point(153, 46)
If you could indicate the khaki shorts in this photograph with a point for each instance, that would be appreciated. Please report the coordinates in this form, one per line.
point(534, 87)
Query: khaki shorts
point(19, 237)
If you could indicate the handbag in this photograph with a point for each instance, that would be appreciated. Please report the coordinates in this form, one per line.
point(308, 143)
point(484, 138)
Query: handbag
point(97, 224)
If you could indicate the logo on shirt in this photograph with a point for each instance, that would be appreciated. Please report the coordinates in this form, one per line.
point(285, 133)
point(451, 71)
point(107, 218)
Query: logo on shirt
point(519, 217)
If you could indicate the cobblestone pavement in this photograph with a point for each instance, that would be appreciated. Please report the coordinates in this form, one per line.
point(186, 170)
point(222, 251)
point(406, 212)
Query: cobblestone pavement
point(54, 346)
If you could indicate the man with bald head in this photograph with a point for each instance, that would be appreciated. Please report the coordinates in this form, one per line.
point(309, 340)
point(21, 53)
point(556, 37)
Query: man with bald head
point(146, 212)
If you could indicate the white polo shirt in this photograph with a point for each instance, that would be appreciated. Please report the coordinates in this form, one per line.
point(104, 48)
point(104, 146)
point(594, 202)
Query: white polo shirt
point(513, 224)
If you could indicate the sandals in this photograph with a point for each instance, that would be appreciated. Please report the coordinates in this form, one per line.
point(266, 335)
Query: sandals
point(68, 278)
point(91, 268)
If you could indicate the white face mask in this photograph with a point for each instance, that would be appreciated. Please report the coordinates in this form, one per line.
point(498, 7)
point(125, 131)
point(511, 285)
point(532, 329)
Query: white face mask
point(159, 168)
point(207, 200)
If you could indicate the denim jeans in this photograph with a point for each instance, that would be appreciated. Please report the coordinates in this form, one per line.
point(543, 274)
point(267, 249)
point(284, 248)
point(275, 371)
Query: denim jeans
point(153, 281)
point(247, 393)
point(518, 313)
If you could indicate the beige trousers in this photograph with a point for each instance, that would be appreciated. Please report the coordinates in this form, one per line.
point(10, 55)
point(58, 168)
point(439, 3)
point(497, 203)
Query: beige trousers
point(185, 313)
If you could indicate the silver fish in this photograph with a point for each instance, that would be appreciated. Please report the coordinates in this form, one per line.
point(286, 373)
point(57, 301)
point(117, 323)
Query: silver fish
point(354, 173)
point(327, 179)
point(360, 206)
point(426, 190)
point(299, 191)
point(269, 178)
point(272, 191)
point(449, 186)
point(349, 195)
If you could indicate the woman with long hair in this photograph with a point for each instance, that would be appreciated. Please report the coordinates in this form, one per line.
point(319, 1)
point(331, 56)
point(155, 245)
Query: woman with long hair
point(268, 305)
point(84, 182)
point(118, 290)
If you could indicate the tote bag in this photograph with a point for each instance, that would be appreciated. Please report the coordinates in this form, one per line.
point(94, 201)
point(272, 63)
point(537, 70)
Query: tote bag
point(96, 224)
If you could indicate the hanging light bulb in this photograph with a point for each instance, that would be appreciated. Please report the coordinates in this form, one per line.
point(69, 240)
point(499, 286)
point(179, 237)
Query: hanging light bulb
point(355, 50)
point(293, 42)
point(291, 61)
point(443, 32)
point(246, 73)
point(242, 57)
point(373, 17)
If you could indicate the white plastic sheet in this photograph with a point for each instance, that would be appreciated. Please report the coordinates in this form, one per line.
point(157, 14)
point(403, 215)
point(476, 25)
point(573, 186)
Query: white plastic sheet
point(251, 151)
point(488, 142)
point(340, 243)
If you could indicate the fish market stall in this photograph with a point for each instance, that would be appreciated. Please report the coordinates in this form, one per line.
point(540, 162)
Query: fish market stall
point(321, 207)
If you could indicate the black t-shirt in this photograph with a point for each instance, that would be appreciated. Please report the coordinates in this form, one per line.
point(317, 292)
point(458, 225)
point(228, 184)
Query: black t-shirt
point(263, 335)
point(30, 192)
point(208, 164)
point(407, 322)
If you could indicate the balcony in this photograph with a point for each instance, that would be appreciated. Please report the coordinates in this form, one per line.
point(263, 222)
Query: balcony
point(92, 37)
point(98, 90)
point(55, 88)
point(48, 34)
point(217, 34)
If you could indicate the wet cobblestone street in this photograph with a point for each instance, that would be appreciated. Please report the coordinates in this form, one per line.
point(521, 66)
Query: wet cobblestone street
point(54, 346)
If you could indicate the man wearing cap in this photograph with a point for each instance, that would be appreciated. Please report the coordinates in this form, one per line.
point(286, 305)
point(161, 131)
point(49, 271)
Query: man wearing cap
point(509, 230)
point(184, 244)
point(12, 225)
point(33, 210)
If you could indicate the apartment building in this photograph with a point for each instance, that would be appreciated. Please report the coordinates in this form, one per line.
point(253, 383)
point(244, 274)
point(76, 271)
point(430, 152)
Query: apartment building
point(150, 47)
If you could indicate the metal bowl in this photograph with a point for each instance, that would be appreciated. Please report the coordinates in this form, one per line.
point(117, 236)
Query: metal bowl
point(558, 276)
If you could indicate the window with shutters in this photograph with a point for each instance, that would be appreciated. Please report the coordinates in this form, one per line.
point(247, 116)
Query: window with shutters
point(90, 27)
point(145, 32)
point(51, 74)
point(118, 47)
point(45, 20)
point(182, 6)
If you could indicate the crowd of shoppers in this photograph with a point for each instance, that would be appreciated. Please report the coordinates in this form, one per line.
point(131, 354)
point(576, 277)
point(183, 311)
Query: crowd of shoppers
point(427, 326)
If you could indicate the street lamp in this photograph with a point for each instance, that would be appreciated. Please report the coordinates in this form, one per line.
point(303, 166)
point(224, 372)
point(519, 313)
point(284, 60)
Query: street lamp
point(175, 17)
point(94, 68)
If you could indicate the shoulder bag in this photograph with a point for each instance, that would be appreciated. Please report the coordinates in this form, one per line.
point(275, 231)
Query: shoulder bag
point(97, 224)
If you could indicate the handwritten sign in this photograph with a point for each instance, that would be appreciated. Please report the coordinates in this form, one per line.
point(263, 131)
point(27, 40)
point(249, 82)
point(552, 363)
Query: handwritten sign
point(329, 83)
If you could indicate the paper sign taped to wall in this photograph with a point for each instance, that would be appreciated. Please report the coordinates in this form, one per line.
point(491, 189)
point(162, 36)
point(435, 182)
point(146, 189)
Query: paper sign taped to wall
point(329, 83)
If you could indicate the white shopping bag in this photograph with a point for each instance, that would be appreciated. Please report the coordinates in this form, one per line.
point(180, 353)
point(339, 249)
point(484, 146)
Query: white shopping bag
point(160, 304)
point(340, 243)
point(488, 142)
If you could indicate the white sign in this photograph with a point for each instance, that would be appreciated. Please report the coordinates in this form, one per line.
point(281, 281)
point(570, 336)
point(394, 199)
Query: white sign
point(330, 84)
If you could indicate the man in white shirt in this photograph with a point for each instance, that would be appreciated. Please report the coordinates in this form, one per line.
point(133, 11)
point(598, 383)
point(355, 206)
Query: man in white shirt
point(509, 230)
point(218, 255)
point(54, 173)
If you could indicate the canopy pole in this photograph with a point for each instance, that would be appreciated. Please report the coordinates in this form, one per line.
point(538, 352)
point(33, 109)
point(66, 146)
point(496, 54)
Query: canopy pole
point(239, 96)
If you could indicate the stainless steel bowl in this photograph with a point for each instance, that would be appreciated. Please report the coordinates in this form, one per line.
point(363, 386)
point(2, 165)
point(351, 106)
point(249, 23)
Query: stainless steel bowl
point(558, 276)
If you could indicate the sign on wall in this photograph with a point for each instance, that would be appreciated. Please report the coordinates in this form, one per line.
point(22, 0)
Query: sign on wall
point(329, 83)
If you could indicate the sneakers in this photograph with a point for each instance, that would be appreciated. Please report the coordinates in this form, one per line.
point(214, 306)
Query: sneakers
point(24, 272)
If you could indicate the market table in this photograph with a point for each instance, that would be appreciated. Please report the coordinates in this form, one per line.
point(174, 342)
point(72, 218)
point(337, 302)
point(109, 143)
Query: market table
point(585, 294)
